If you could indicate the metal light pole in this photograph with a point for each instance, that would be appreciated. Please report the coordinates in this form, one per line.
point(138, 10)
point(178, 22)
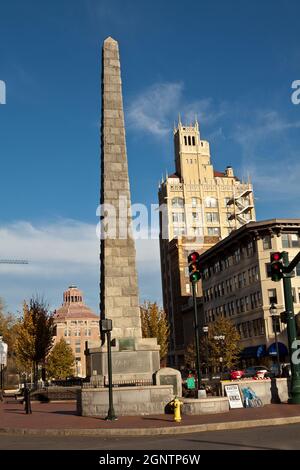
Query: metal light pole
point(291, 325)
point(275, 317)
point(220, 338)
point(205, 331)
point(106, 327)
point(196, 326)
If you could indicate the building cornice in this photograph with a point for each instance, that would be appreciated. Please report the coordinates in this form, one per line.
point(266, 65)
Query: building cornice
point(256, 230)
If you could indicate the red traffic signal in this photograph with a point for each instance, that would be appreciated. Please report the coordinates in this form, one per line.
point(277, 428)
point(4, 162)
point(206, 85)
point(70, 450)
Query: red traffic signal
point(276, 266)
point(193, 257)
point(276, 256)
point(194, 266)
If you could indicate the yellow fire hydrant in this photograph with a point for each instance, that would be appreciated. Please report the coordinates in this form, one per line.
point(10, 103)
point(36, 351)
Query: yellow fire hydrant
point(177, 412)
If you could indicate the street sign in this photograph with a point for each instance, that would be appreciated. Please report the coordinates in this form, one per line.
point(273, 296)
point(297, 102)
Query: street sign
point(234, 396)
point(3, 353)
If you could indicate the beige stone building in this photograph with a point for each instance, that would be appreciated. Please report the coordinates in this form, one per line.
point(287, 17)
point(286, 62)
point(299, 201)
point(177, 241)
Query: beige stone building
point(76, 323)
point(199, 207)
point(237, 285)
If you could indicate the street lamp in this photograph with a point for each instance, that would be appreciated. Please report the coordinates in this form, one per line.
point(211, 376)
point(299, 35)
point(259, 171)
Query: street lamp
point(106, 327)
point(205, 331)
point(275, 317)
point(220, 338)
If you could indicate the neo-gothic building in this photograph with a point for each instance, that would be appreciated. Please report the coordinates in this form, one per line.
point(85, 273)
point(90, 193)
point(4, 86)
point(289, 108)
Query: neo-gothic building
point(200, 207)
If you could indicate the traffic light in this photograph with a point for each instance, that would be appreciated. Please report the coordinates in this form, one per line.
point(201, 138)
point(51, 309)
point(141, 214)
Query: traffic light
point(194, 266)
point(276, 266)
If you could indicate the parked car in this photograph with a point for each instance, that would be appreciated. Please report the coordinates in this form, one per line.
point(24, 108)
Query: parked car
point(236, 374)
point(252, 371)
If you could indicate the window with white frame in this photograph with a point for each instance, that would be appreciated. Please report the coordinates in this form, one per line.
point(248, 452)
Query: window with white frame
point(211, 202)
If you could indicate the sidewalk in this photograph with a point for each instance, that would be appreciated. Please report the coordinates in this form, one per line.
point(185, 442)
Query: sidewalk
point(61, 419)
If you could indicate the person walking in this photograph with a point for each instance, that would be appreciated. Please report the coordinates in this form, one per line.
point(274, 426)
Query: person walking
point(27, 400)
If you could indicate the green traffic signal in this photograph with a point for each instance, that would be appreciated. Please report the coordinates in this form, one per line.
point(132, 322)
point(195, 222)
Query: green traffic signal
point(195, 277)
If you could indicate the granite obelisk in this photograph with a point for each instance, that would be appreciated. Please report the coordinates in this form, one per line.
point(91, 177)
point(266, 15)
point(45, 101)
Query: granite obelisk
point(133, 357)
point(119, 286)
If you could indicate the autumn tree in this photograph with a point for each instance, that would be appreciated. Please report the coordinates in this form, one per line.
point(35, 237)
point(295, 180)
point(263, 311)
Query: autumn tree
point(8, 332)
point(7, 328)
point(34, 336)
point(60, 361)
point(155, 325)
point(222, 342)
point(228, 348)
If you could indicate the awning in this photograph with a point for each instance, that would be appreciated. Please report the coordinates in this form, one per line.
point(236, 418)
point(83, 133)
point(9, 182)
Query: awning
point(253, 351)
point(281, 348)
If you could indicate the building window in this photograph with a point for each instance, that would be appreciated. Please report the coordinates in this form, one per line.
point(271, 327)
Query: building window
point(272, 295)
point(189, 139)
point(213, 231)
point(212, 217)
point(217, 267)
point(195, 201)
point(237, 256)
point(187, 288)
point(195, 217)
point(268, 269)
point(294, 295)
point(290, 240)
point(267, 242)
point(226, 200)
point(185, 140)
point(299, 295)
point(179, 231)
point(177, 202)
point(297, 269)
point(211, 202)
point(178, 217)
point(250, 249)
point(193, 140)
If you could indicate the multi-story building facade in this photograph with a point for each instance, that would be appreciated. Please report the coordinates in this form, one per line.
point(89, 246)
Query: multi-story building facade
point(199, 206)
point(76, 323)
point(237, 285)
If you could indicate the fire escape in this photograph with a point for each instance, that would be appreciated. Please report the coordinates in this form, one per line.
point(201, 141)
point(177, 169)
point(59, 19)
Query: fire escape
point(241, 207)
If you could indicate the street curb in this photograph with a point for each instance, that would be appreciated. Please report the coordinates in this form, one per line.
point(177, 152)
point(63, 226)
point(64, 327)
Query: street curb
point(167, 430)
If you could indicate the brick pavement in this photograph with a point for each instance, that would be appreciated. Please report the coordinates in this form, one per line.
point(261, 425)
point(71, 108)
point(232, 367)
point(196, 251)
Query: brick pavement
point(63, 416)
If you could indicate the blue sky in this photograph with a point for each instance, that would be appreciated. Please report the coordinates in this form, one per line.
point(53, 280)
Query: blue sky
point(230, 62)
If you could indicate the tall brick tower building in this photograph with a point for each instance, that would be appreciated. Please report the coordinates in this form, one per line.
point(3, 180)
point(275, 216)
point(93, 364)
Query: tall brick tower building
point(202, 206)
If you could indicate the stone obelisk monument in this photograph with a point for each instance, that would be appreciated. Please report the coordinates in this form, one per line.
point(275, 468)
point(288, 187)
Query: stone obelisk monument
point(119, 287)
point(133, 357)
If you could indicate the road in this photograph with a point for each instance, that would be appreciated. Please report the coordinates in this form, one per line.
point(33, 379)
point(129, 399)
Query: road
point(264, 438)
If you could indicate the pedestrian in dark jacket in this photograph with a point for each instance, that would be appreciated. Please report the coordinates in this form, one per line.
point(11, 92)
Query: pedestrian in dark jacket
point(27, 400)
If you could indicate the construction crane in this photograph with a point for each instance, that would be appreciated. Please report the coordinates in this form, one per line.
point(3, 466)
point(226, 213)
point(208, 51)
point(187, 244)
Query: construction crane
point(13, 261)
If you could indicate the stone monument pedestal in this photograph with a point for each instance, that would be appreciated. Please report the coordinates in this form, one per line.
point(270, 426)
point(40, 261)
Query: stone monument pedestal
point(133, 359)
point(128, 401)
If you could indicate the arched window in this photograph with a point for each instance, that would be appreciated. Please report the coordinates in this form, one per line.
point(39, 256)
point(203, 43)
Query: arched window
point(211, 202)
point(177, 202)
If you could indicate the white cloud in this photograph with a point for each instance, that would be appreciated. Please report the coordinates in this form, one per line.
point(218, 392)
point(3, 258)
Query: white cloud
point(61, 253)
point(150, 111)
point(262, 125)
point(158, 106)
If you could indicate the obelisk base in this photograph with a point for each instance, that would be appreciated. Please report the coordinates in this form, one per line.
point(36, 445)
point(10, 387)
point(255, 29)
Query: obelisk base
point(133, 360)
